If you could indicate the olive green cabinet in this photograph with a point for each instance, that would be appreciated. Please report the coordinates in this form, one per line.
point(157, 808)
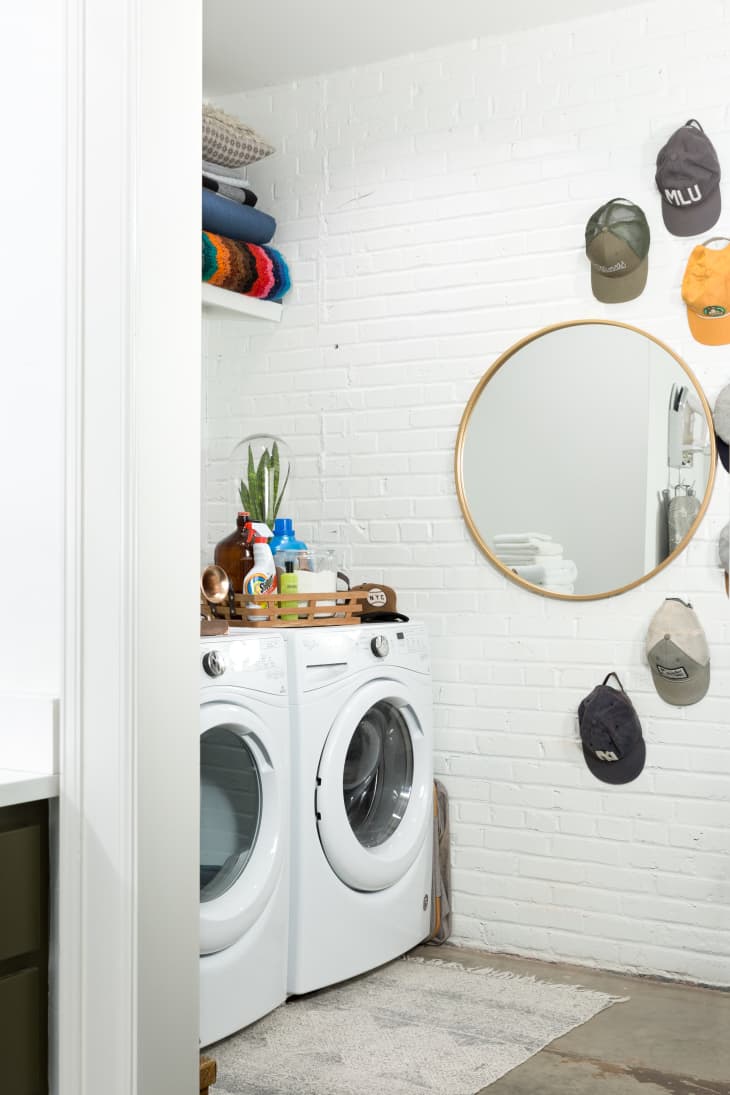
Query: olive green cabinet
point(24, 947)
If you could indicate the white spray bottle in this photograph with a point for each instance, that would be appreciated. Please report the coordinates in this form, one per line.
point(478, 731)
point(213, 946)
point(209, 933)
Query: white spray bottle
point(261, 578)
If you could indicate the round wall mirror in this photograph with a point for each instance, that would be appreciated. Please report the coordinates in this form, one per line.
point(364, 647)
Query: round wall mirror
point(585, 459)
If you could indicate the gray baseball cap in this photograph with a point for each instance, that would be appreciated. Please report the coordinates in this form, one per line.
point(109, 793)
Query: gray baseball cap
point(721, 422)
point(678, 654)
point(688, 178)
point(617, 246)
point(723, 547)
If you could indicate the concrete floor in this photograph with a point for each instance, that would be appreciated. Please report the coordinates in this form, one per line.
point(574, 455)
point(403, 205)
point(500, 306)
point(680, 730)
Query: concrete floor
point(666, 1038)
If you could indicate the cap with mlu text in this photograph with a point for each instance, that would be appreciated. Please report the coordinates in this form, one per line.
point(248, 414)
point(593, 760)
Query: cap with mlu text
point(688, 179)
point(678, 654)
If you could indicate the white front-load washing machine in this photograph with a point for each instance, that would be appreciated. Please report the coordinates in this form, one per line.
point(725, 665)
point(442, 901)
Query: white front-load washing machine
point(362, 798)
point(244, 830)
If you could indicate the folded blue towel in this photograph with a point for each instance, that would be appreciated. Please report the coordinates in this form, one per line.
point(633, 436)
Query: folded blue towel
point(238, 222)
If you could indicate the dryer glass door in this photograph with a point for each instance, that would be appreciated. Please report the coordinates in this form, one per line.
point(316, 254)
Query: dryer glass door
point(378, 774)
point(373, 795)
point(230, 809)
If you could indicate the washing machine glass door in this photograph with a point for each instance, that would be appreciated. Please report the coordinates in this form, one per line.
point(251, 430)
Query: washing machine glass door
point(373, 795)
point(240, 830)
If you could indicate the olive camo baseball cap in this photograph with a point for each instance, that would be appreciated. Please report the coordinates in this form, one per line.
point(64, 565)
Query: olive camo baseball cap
point(678, 654)
point(688, 179)
point(617, 246)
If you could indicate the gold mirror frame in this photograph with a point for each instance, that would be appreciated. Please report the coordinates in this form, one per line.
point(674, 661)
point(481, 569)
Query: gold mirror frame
point(458, 465)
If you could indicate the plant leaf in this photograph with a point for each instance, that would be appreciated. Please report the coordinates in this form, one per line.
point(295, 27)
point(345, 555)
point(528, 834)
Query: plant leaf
point(281, 495)
point(276, 468)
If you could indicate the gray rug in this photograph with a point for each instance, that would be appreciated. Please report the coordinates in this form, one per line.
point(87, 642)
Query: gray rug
point(412, 1027)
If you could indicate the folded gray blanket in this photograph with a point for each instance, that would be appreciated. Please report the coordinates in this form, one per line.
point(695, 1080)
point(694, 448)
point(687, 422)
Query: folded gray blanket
point(236, 193)
point(236, 176)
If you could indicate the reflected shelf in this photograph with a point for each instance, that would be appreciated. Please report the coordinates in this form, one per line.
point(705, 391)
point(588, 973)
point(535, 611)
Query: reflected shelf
point(224, 302)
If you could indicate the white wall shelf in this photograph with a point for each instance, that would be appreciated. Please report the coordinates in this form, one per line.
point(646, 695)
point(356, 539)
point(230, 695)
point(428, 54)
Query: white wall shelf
point(224, 301)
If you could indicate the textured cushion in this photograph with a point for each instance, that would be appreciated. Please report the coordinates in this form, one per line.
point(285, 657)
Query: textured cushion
point(230, 143)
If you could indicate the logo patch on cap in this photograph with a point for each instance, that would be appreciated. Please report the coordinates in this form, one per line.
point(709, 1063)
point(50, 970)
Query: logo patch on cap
point(714, 310)
point(679, 673)
point(683, 197)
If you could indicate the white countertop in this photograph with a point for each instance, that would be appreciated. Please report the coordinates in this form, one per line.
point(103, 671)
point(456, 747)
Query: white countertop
point(28, 748)
point(16, 786)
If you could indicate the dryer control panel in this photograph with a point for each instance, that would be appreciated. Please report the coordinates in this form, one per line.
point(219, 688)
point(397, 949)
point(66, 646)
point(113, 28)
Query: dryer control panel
point(403, 645)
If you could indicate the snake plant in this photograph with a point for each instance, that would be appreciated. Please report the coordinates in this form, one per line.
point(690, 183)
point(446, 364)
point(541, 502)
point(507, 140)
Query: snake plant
point(261, 490)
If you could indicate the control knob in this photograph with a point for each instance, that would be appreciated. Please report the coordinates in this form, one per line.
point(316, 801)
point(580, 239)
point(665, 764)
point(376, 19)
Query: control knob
point(380, 646)
point(214, 663)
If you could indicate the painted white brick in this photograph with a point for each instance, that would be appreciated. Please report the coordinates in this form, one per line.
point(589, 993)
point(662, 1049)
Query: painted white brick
point(432, 209)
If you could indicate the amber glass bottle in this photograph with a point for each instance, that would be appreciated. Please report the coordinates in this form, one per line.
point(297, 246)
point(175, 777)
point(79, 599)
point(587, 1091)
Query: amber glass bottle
point(235, 552)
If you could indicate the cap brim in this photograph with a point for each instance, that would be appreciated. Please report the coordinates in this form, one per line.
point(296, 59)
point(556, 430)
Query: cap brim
point(709, 330)
point(682, 693)
point(723, 451)
point(382, 617)
point(692, 220)
point(618, 771)
point(619, 290)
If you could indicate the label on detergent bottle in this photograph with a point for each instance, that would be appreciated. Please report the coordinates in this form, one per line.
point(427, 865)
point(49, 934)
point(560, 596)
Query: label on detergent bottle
point(258, 582)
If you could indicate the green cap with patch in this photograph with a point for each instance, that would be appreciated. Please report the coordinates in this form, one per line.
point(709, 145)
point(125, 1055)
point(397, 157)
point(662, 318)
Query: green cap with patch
point(617, 246)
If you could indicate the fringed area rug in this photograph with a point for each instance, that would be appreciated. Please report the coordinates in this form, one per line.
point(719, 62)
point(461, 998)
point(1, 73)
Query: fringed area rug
point(409, 1028)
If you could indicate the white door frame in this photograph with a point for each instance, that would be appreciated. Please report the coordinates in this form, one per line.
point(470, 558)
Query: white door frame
point(126, 1000)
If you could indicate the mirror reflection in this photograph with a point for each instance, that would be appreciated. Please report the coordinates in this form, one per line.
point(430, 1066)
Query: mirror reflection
point(585, 459)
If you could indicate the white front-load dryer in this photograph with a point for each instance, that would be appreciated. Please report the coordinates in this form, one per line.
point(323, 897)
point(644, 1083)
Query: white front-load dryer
point(244, 830)
point(362, 798)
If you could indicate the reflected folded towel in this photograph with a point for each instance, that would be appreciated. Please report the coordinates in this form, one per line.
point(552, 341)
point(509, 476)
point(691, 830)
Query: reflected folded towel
point(245, 268)
point(551, 570)
point(527, 554)
point(520, 537)
point(557, 588)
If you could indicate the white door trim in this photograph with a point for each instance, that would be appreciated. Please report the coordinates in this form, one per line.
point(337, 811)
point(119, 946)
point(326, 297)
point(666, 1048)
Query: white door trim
point(125, 1017)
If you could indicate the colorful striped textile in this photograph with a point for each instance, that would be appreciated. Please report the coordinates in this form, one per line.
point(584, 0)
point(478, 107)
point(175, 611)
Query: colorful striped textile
point(245, 267)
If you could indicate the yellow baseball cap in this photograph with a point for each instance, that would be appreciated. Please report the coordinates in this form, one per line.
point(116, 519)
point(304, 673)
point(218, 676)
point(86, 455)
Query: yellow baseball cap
point(706, 292)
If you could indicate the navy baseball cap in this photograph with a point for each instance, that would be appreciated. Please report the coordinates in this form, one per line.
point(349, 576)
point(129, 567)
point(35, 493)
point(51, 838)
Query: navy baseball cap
point(610, 732)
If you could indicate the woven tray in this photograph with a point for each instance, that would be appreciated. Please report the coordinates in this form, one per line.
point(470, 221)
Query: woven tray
point(277, 610)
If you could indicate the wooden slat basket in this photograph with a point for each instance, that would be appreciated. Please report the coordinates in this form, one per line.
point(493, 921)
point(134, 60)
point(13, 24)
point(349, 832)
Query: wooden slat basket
point(290, 609)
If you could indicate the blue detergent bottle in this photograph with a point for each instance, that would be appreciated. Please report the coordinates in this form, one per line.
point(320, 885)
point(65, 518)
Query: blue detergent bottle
point(284, 539)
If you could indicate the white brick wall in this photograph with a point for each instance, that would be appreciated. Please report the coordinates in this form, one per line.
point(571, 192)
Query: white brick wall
point(432, 209)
